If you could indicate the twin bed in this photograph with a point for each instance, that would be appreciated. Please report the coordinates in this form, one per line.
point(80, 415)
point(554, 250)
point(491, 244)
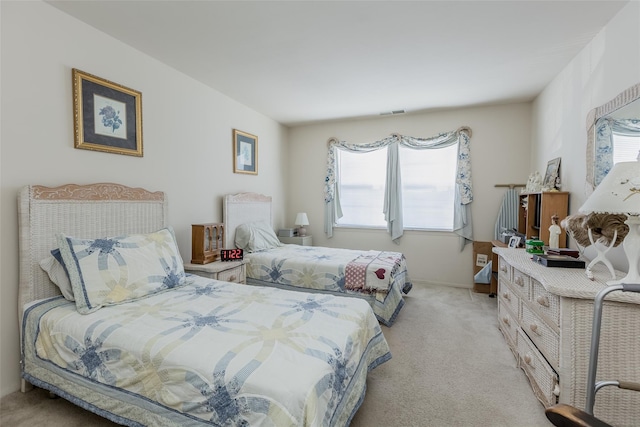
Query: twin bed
point(144, 344)
point(378, 277)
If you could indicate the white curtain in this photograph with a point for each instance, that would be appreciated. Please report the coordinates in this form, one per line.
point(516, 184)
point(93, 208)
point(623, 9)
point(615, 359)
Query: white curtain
point(393, 194)
point(393, 188)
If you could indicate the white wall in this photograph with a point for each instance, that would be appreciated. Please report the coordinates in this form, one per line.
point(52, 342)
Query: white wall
point(187, 138)
point(500, 150)
point(607, 66)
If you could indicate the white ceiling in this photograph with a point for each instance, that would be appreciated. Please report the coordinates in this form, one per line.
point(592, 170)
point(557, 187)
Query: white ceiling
point(305, 61)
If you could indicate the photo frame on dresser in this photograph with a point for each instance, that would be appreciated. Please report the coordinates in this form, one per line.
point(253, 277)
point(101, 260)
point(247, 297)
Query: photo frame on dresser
point(107, 115)
point(245, 152)
point(551, 175)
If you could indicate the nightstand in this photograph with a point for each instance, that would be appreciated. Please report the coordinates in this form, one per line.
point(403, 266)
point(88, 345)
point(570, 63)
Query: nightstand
point(227, 271)
point(297, 240)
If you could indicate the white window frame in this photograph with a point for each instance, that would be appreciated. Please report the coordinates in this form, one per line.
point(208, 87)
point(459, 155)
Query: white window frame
point(447, 154)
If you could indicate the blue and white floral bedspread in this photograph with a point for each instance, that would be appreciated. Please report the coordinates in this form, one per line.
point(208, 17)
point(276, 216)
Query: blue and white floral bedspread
point(217, 352)
point(322, 269)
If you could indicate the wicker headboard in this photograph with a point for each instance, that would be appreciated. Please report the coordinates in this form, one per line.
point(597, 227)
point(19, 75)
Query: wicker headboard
point(241, 208)
point(87, 211)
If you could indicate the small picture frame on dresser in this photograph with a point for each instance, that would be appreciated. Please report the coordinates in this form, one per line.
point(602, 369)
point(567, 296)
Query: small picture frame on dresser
point(551, 175)
point(514, 242)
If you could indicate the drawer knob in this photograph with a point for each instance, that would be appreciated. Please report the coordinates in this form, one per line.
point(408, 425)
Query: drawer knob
point(232, 278)
point(534, 329)
point(519, 281)
point(528, 359)
point(503, 268)
point(505, 320)
point(506, 296)
point(543, 301)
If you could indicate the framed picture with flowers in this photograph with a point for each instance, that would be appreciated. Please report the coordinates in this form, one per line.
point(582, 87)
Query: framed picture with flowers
point(107, 116)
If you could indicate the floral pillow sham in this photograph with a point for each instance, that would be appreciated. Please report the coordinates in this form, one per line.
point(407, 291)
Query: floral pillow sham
point(114, 270)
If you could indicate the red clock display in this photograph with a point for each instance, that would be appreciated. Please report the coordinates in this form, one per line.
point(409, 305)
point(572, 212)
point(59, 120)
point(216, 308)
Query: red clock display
point(231, 254)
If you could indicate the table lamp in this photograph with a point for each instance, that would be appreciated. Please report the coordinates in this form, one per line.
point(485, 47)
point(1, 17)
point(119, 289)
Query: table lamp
point(302, 220)
point(619, 193)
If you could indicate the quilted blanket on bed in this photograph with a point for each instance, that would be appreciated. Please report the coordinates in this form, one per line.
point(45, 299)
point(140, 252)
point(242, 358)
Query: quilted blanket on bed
point(328, 269)
point(215, 353)
point(372, 271)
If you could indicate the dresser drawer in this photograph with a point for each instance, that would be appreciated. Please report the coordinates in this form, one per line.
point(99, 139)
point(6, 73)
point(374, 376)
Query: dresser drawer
point(507, 324)
point(504, 269)
point(509, 298)
point(546, 339)
point(208, 275)
point(522, 283)
point(235, 275)
point(546, 303)
point(543, 378)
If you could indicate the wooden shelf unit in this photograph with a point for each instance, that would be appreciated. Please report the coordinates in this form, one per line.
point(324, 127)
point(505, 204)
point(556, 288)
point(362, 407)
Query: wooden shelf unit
point(536, 210)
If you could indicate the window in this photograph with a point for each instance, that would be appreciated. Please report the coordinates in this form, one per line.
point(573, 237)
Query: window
point(625, 148)
point(361, 187)
point(428, 184)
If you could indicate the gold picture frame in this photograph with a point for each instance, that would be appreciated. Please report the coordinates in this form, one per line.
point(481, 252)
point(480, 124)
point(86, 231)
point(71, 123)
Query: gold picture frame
point(245, 152)
point(106, 116)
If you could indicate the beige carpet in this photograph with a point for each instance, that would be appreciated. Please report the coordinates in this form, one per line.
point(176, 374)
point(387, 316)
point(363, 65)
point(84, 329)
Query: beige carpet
point(450, 367)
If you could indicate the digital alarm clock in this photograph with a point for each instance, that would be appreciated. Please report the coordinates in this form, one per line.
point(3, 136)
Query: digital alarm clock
point(231, 254)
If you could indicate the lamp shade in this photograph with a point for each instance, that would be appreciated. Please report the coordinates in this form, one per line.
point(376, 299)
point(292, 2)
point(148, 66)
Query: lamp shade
point(301, 219)
point(618, 193)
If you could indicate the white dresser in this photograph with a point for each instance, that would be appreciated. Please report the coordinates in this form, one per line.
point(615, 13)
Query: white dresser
point(545, 315)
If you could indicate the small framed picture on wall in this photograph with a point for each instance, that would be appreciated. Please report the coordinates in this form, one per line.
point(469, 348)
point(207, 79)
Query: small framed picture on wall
point(245, 152)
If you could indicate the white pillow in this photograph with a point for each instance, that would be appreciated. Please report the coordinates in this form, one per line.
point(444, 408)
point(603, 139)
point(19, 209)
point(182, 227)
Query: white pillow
point(58, 273)
point(114, 270)
point(256, 236)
